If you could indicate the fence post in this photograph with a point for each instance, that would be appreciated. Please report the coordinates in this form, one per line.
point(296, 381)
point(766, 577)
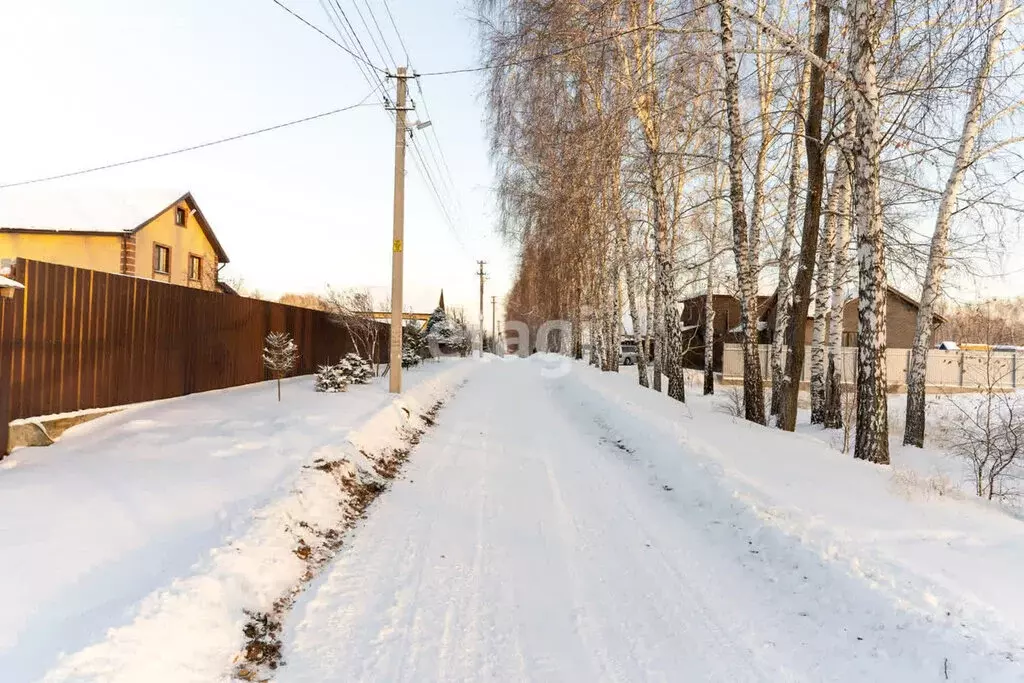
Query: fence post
point(6, 351)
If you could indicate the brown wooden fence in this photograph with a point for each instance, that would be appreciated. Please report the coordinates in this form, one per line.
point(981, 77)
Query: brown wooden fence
point(75, 339)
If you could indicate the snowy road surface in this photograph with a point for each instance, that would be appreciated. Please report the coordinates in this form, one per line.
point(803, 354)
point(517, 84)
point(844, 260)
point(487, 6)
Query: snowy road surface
point(530, 539)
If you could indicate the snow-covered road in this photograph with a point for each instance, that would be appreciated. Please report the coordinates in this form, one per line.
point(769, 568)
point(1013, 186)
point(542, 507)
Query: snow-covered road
point(531, 539)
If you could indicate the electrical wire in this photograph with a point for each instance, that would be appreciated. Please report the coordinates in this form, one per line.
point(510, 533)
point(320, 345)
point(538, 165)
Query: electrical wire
point(316, 28)
point(401, 42)
point(373, 18)
point(440, 188)
point(432, 147)
point(190, 148)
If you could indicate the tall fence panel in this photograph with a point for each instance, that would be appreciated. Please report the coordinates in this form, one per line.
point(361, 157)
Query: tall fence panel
point(972, 370)
point(75, 339)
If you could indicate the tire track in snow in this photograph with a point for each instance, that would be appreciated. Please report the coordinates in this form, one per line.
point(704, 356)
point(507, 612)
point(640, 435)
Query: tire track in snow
point(528, 549)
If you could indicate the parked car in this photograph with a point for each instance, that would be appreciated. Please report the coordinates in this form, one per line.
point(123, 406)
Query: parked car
point(628, 354)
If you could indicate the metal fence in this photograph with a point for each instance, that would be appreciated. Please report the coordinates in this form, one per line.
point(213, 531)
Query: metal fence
point(75, 339)
point(961, 369)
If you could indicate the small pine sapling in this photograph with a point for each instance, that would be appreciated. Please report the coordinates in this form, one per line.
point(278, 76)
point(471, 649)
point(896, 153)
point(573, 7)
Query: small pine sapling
point(359, 370)
point(280, 356)
point(330, 379)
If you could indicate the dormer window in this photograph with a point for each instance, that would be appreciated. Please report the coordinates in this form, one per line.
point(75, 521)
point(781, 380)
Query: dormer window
point(179, 216)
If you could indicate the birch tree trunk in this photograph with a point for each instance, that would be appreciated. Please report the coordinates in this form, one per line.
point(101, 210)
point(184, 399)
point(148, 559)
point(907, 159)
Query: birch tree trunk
point(615, 320)
point(753, 393)
point(784, 289)
point(796, 327)
point(913, 434)
point(872, 433)
point(634, 311)
point(822, 292)
point(577, 327)
point(709, 284)
point(665, 283)
point(764, 63)
point(833, 417)
point(658, 336)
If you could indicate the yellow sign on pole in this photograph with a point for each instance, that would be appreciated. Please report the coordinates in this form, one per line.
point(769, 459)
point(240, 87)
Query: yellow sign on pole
point(398, 246)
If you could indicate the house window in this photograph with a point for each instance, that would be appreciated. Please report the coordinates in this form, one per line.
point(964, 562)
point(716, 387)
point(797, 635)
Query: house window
point(161, 259)
point(195, 267)
point(179, 216)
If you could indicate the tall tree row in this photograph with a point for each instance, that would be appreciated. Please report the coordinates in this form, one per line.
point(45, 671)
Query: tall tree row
point(636, 140)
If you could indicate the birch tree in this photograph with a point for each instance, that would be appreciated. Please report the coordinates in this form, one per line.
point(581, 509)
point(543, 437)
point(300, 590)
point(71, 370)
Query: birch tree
point(872, 433)
point(710, 279)
point(753, 394)
point(783, 291)
point(939, 253)
point(815, 151)
point(822, 295)
point(833, 411)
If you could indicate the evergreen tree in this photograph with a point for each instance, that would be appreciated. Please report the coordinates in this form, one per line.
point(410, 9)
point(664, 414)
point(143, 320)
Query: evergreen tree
point(280, 356)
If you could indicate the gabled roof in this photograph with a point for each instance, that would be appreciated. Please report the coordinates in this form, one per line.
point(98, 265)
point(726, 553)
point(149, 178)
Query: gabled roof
point(913, 303)
point(90, 211)
point(770, 306)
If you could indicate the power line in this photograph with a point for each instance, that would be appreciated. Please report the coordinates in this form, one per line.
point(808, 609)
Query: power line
point(397, 33)
point(421, 164)
point(190, 148)
point(316, 28)
point(436, 138)
point(558, 53)
point(373, 17)
point(433, 140)
point(335, 19)
point(355, 36)
point(347, 33)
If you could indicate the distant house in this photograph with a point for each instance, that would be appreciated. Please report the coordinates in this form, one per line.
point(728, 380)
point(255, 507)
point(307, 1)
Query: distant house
point(901, 318)
point(901, 321)
point(727, 319)
point(156, 235)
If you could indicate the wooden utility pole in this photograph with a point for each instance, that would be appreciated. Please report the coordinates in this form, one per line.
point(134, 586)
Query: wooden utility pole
point(481, 273)
point(395, 378)
point(494, 340)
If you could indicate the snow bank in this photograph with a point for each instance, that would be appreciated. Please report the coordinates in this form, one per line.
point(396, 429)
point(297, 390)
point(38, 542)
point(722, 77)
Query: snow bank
point(133, 504)
point(954, 559)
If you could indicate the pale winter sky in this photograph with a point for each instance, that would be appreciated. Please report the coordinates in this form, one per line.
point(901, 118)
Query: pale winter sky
point(87, 83)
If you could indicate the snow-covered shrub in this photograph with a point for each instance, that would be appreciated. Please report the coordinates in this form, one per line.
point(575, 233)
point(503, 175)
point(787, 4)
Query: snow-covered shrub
point(329, 379)
point(357, 369)
point(410, 358)
point(413, 345)
point(446, 334)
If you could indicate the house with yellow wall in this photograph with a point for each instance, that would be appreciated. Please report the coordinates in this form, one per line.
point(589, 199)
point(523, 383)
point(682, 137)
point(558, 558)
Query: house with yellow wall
point(156, 235)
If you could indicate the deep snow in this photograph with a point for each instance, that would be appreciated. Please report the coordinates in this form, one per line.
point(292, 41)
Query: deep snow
point(577, 527)
point(558, 523)
point(95, 527)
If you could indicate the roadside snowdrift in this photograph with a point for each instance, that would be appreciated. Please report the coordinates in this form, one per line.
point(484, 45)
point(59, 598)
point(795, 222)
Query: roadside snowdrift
point(954, 559)
point(190, 626)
